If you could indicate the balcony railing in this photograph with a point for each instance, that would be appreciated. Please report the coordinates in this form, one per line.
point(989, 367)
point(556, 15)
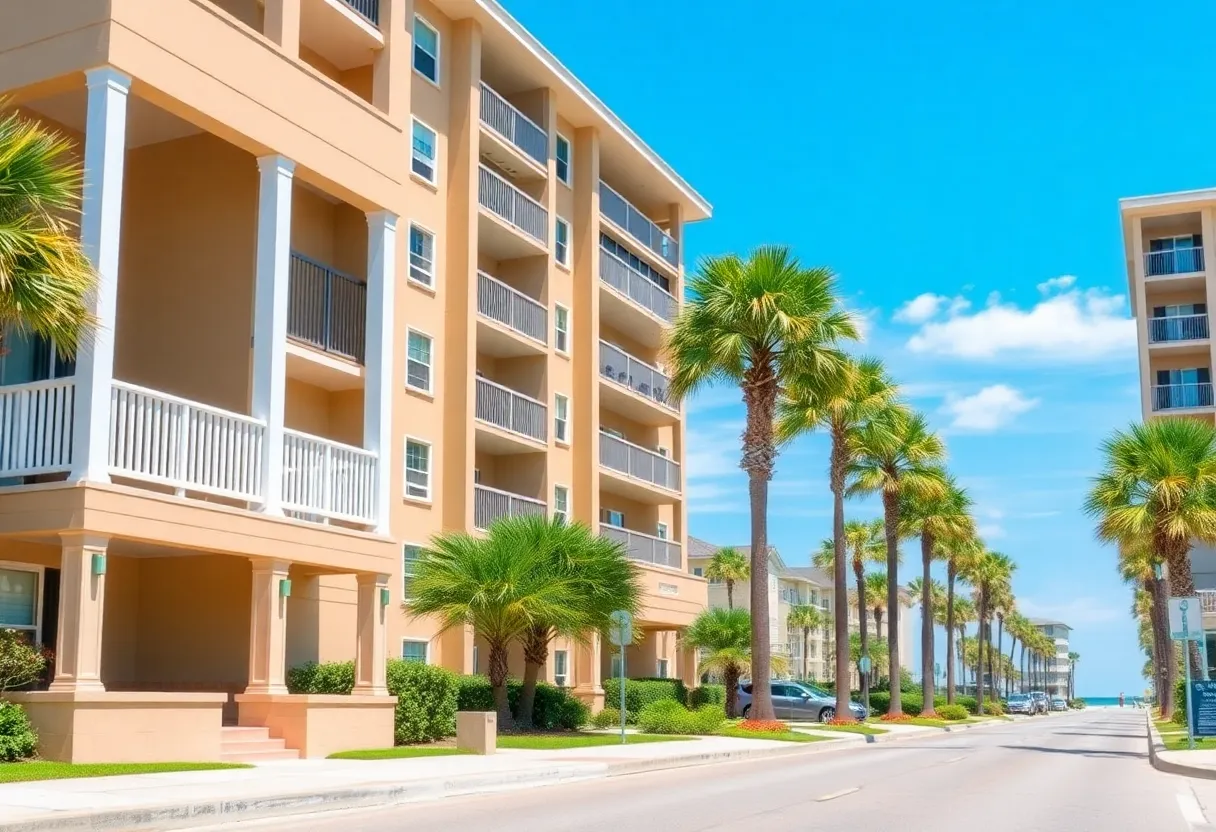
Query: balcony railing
point(499, 302)
point(1179, 396)
point(514, 206)
point(636, 286)
point(636, 461)
point(504, 408)
point(326, 308)
point(1178, 328)
point(644, 547)
point(490, 504)
point(370, 9)
point(622, 368)
point(622, 213)
point(1175, 261)
point(328, 479)
point(499, 115)
point(36, 427)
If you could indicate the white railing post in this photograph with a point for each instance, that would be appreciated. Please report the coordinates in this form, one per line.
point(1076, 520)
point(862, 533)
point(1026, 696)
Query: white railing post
point(327, 483)
point(181, 467)
point(378, 355)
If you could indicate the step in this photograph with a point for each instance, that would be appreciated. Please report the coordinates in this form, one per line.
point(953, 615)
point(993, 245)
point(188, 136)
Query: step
point(250, 746)
point(243, 733)
point(259, 756)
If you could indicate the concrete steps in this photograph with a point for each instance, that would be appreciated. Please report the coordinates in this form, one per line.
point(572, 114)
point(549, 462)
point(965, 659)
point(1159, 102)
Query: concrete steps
point(252, 745)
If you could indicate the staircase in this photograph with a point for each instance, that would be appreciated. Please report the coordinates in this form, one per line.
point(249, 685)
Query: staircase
point(252, 745)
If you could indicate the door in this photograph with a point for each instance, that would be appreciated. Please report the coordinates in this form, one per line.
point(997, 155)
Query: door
point(782, 700)
point(804, 706)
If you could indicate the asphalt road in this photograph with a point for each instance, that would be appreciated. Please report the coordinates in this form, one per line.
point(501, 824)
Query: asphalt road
point(1074, 772)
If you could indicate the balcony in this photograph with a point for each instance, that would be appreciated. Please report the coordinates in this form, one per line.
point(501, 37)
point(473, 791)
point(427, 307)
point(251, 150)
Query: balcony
point(326, 309)
point(345, 33)
point(1175, 261)
point(325, 480)
point(490, 504)
point(513, 141)
point(628, 292)
point(621, 213)
point(521, 422)
point(1191, 396)
point(369, 9)
point(634, 388)
point(1178, 329)
point(520, 324)
point(513, 224)
point(638, 473)
point(644, 547)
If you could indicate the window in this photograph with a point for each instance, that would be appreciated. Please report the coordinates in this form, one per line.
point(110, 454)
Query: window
point(661, 451)
point(409, 562)
point(1174, 255)
point(698, 571)
point(476, 476)
point(561, 503)
point(561, 242)
point(561, 418)
point(418, 361)
point(422, 256)
point(634, 262)
point(424, 152)
point(661, 531)
point(474, 658)
point(28, 357)
point(413, 651)
point(561, 667)
point(417, 469)
point(662, 668)
point(617, 670)
point(561, 329)
point(426, 50)
point(19, 591)
point(613, 518)
point(563, 158)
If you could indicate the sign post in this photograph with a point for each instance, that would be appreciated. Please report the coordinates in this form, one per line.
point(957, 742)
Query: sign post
point(620, 633)
point(863, 667)
point(1186, 625)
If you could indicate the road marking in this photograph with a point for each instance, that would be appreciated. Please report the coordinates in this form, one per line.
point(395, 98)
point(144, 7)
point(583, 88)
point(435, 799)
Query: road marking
point(954, 760)
point(843, 792)
point(1191, 812)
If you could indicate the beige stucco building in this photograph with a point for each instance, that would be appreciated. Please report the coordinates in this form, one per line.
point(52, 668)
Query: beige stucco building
point(370, 270)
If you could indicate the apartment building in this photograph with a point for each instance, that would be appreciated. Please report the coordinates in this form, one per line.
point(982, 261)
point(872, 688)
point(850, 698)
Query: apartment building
point(370, 270)
point(1058, 669)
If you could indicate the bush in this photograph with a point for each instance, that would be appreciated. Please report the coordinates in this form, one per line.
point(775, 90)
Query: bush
point(330, 677)
point(555, 708)
point(641, 692)
point(1180, 714)
point(666, 716)
point(952, 712)
point(607, 718)
point(967, 702)
point(880, 701)
point(17, 737)
point(1076, 704)
point(994, 709)
point(21, 662)
point(707, 695)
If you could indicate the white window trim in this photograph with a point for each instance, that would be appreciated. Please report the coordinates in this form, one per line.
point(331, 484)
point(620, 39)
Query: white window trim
point(661, 531)
point(438, 51)
point(607, 518)
point(565, 309)
point(569, 180)
point(556, 486)
point(559, 221)
point(404, 598)
point(430, 469)
point(433, 183)
point(569, 409)
point(430, 388)
point(409, 271)
point(662, 667)
point(39, 597)
point(565, 676)
point(426, 645)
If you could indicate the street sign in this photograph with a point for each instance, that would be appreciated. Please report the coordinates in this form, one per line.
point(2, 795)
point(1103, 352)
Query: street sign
point(1202, 709)
point(1186, 619)
point(621, 631)
point(864, 664)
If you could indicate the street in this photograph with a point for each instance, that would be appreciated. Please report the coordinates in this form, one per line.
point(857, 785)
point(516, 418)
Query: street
point(1083, 771)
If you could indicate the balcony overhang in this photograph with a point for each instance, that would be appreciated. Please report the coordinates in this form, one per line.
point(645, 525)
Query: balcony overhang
point(641, 409)
point(670, 598)
point(495, 440)
point(500, 240)
point(500, 341)
point(322, 369)
point(632, 488)
point(338, 33)
point(633, 319)
point(502, 152)
point(1197, 346)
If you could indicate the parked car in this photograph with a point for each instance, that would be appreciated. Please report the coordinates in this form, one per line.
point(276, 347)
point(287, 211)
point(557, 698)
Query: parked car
point(1021, 703)
point(1059, 704)
point(1041, 703)
point(798, 701)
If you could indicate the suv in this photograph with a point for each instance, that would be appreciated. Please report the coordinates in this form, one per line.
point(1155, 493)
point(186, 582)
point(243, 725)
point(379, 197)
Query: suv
point(1041, 703)
point(1058, 704)
point(1021, 703)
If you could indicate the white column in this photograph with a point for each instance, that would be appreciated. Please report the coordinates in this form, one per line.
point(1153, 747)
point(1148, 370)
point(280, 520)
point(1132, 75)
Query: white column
point(105, 144)
point(270, 318)
point(378, 354)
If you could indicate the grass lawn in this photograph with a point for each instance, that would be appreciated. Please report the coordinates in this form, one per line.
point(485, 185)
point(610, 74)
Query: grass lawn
point(859, 728)
point(1177, 742)
point(783, 736)
point(400, 752)
point(44, 770)
point(928, 723)
point(552, 742)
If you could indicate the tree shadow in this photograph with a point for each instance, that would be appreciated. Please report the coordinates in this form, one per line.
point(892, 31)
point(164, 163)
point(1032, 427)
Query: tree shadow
point(1081, 752)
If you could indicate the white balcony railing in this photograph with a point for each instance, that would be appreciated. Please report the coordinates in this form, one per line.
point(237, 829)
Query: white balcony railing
point(629, 219)
point(644, 547)
point(1175, 261)
point(515, 412)
point(636, 461)
point(36, 427)
point(1178, 328)
point(622, 368)
point(1207, 598)
point(637, 287)
point(512, 308)
point(1182, 396)
point(500, 197)
point(328, 479)
point(490, 504)
point(500, 116)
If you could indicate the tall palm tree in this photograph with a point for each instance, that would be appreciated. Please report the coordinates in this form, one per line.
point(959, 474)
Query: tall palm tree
point(938, 517)
point(838, 403)
point(1158, 483)
point(876, 593)
point(896, 456)
point(1016, 626)
point(728, 565)
point(959, 555)
point(805, 617)
point(758, 323)
point(964, 613)
point(1073, 658)
point(44, 276)
point(1138, 566)
point(723, 637)
point(1001, 603)
point(989, 574)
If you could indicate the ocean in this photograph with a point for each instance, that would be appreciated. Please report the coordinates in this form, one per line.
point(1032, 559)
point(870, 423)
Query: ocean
point(1099, 701)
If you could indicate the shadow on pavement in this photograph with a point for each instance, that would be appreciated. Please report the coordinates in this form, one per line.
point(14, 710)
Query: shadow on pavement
point(1083, 752)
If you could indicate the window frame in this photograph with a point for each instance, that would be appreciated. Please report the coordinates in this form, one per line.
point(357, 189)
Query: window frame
point(561, 248)
point(565, 513)
point(430, 366)
point(564, 676)
point(568, 179)
point(426, 648)
point(607, 520)
point(698, 572)
point(565, 331)
point(39, 573)
point(662, 668)
point(434, 162)
point(438, 49)
point(405, 595)
point(661, 530)
point(561, 437)
point(410, 251)
point(430, 469)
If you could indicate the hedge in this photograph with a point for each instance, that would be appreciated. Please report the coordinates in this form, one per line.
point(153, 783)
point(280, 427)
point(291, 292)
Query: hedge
point(641, 692)
point(912, 702)
point(554, 709)
point(17, 737)
point(706, 695)
point(666, 716)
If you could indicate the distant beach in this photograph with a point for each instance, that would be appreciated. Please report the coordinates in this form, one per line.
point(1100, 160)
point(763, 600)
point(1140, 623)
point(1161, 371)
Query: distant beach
point(1106, 701)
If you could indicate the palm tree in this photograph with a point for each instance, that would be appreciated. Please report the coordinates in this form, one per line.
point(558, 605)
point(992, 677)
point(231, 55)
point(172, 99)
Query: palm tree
point(1158, 484)
point(863, 545)
point(964, 613)
point(896, 455)
point(805, 617)
point(959, 555)
point(1016, 626)
point(1138, 566)
point(728, 565)
point(1073, 658)
point(938, 517)
point(1001, 604)
point(989, 574)
point(44, 276)
point(724, 639)
point(876, 592)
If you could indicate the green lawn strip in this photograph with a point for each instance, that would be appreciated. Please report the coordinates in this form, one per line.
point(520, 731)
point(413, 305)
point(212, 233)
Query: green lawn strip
point(552, 742)
point(45, 770)
point(1177, 742)
point(859, 728)
point(926, 723)
point(781, 736)
point(400, 752)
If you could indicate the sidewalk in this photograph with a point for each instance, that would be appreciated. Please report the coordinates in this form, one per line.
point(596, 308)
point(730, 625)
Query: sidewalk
point(1200, 764)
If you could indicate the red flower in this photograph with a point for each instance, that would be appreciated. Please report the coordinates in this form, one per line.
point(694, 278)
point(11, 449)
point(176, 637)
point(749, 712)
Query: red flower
point(767, 726)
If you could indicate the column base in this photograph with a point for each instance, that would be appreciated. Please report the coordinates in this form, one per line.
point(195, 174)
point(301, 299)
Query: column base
point(369, 690)
point(266, 690)
point(77, 686)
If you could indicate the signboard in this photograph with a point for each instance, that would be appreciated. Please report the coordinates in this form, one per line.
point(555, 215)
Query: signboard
point(1186, 619)
point(621, 631)
point(864, 664)
point(1202, 710)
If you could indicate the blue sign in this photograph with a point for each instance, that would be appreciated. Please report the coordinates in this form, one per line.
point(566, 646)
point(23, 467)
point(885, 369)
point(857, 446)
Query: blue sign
point(1203, 709)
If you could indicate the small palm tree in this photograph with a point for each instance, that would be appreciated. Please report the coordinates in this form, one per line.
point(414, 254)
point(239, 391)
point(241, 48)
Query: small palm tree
point(959, 555)
point(1073, 658)
point(1138, 566)
point(989, 575)
point(758, 323)
point(805, 617)
point(876, 592)
point(728, 565)
point(964, 614)
point(724, 640)
point(863, 545)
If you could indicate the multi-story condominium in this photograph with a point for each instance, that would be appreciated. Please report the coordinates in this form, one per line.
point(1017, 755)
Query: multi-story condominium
point(369, 270)
point(1058, 667)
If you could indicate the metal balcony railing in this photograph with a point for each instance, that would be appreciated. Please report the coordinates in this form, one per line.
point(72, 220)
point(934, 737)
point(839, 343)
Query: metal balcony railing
point(622, 368)
point(1178, 328)
point(622, 213)
point(515, 412)
point(370, 9)
point(490, 504)
point(636, 461)
point(1207, 598)
point(1175, 261)
point(637, 287)
point(503, 118)
point(1181, 396)
point(326, 308)
point(514, 206)
point(644, 547)
point(499, 302)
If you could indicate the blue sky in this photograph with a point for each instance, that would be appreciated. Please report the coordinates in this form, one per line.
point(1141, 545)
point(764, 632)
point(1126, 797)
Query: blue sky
point(971, 157)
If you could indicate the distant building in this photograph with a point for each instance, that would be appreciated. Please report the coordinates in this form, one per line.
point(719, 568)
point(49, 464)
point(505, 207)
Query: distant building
point(1057, 667)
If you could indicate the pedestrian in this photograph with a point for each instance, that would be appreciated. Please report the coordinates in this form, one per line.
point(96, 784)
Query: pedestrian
point(1120, 699)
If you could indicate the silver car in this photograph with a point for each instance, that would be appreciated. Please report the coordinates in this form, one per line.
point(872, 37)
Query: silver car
point(798, 701)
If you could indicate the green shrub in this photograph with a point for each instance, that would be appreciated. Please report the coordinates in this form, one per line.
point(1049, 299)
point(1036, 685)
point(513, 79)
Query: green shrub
point(641, 692)
point(330, 677)
point(707, 695)
point(968, 702)
point(1180, 714)
point(22, 663)
point(426, 701)
point(555, 708)
point(952, 712)
point(994, 709)
point(708, 718)
point(666, 716)
point(607, 718)
point(17, 737)
point(880, 701)
point(1076, 704)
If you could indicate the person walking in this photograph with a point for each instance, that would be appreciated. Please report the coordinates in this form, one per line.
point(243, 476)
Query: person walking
point(1120, 699)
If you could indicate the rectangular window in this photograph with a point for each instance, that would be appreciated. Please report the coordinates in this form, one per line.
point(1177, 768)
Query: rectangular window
point(424, 152)
point(661, 531)
point(409, 560)
point(426, 50)
point(613, 518)
point(561, 242)
point(417, 469)
point(422, 256)
point(698, 571)
point(561, 418)
point(561, 503)
point(661, 670)
point(474, 658)
point(561, 667)
point(561, 329)
point(418, 361)
point(563, 158)
point(413, 651)
point(19, 599)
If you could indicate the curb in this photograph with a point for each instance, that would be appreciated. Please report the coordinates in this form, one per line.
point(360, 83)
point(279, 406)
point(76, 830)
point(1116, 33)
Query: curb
point(1156, 746)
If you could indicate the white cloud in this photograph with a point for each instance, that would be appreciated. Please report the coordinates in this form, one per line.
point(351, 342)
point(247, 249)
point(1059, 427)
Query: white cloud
point(921, 308)
point(991, 408)
point(1073, 612)
point(990, 531)
point(1061, 283)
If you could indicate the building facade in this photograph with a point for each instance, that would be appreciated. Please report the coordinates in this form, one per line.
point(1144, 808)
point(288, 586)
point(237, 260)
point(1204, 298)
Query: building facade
point(369, 271)
point(1059, 668)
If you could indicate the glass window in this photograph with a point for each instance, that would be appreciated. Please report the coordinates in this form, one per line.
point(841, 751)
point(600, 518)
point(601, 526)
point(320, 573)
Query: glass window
point(661, 531)
point(662, 668)
point(561, 329)
point(474, 658)
point(418, 361)
point(424, 152)
point(561, 418)
point(561, 502)
point(18, 599)
point(561, 241)
point(561, 667)
point(563, 159)
point(614, 518)
point(422, 256)
point(409, 561)
point(426, 50)
point(417, 469)
point(634, 262)
point(698, 571)
point(414, 651)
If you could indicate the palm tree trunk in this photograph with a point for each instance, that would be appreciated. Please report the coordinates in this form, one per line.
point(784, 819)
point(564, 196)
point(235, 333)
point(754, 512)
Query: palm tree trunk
point(730, 594)
point(1013, 645)
point(1168, 668)
point(982, 613)
point(498, 683)
point(926, 626)
point(840, 587)
point(1000, 652)
point(536, 653)
point(962, 665)
point(890, 501)
point(863, 614)
point(950, 631)
point(1182, 585)
point(730, 678)
point(877, 630)
point(760, 400)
